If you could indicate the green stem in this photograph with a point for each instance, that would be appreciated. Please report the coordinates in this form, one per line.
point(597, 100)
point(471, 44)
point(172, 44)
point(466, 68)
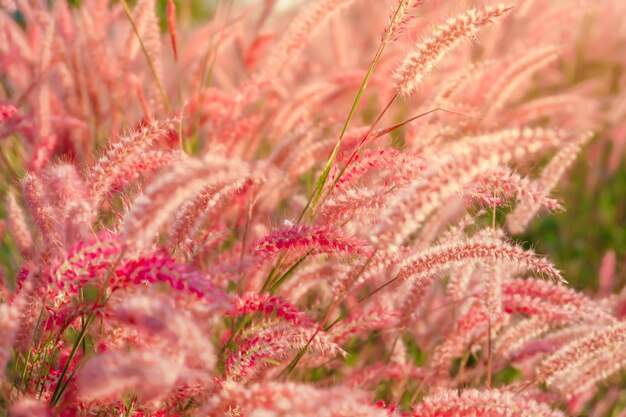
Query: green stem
point(166, 101)
point(290, 271)
point(207, 69)
point(58, 391)
point(356, 149)
point(23, 381)
point(317, 193)
point(49, 351)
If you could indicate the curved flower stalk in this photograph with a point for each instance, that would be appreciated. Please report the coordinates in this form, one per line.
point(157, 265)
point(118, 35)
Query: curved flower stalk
point(41, 210)
point(519, 334)
point(300, 136)
point(16, 222)
point(348, 200)
point(299, 163)
point(283, 399)
point(551, 300)
point(464, 160)
point(300, 30)
point(72, 201)
point(84, 262)
point(154, 269)
point(279, 342)
point(143, 164)
point(207, 202)
point(101, 264)
point(554, 340)
point(174, 330)
point(167, 193)
point(471, 402)
point(301, 239)
point(400, 17)
point(447, 36)
point(425, 265)
point(503, 182)
point(590, 373)
point(29, 407)
point(346, 278)
point(402, 166)
point(455, 84)
point(297, 112)
point(267, 305)
point(510, 145)
point(149, 33)
point(459, 281)
point(109, 170)
point(377, 317)
point(306, 278)
point(113, 374)
point(563, 105)
point(409, 209)
point(590, 359)
point(470, 327)
point(517, 72)
point(355, 204)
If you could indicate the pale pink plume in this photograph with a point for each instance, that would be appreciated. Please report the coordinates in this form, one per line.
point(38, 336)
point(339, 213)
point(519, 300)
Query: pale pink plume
point(586, 360)
point(275, 344)
point(112, 374)
point(472, 402)
point(169, 191)
point(112, 166)
point(419, 63)
point(303, 26)
point(16, 222)
point(29, 407)
point(296, 400)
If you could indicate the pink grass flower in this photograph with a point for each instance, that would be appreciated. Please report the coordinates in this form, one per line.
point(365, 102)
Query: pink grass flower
point(420, 62)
